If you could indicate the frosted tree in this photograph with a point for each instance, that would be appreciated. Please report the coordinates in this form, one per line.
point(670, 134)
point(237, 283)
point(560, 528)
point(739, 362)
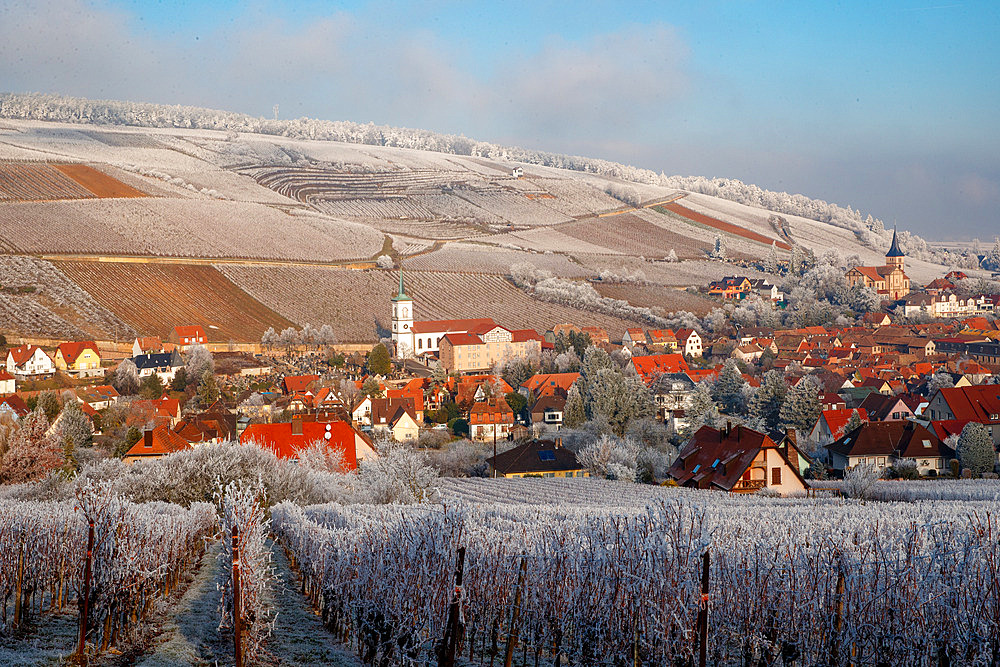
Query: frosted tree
point(991, 261)
point(975, 449)
point(198, 360)
point(940, 380)
point(854, 423)
point(702, 410)
point(399, 475)
point(769, 398)
point(384, 262)
point(126, 378)
point(672, 256)
point(618, 399)
point(32, 454)
point(771, 261)
point(861, 480)
point(269, 338)
point(801, 407)
point(74, 428)
point(718, 249)
point(728, 390)
point(863, 299)
point(574, 412)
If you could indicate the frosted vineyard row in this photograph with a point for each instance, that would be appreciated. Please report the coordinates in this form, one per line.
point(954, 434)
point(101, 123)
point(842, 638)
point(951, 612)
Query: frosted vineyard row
point(41, 288)
point(486, 259)
point(398, 208)
point(574, 197)
point(627, 234)
point(242, 508)
point(442, 296)
point(29, 181)
point(514, 207)
point(897, 490)
point(155, 296)
point(439, 230)
point(182, 227)
point(549, 239)
point(453, 207)
point(912, 582)
point(140, 551)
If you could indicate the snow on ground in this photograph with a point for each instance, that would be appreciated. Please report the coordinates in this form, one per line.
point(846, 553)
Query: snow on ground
point(49, 643)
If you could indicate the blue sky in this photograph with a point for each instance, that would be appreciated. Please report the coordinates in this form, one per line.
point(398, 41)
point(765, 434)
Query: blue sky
point(890, 107)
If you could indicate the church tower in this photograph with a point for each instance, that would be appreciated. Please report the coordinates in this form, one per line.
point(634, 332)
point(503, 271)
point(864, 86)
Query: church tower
point(402, 320)
point(895, 256)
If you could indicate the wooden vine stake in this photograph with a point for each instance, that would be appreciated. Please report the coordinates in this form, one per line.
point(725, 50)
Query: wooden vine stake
point(453, 629)
point(703, 611)
point(237, 603)
point(512, 630)
point(85, 608)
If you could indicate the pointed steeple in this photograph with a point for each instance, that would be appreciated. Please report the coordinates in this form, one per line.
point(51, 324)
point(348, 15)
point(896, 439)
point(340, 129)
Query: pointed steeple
point(894, 250)
point(402, 292)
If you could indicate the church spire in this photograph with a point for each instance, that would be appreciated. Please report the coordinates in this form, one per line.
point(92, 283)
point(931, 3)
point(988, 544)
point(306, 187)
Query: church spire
point(402, 291)
point(894, 250)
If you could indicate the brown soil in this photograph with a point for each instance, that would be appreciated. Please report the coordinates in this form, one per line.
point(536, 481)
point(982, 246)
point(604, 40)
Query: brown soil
point(102, 185)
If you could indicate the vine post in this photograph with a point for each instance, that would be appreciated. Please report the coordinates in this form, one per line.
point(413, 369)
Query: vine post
point(237, 607)
point(453, 629)
point(87, 573)
point(703, 610)
point(512, 630)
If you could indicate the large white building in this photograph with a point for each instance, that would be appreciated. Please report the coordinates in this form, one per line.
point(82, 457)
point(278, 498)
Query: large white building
point(418, 339)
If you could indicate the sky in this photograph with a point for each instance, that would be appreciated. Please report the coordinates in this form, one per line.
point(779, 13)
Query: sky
point(890, 107)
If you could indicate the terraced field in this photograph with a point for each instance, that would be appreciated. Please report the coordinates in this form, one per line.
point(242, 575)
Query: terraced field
point(154, 298)
point(356, 303)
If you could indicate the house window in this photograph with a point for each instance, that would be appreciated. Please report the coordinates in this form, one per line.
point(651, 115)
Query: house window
point(775, 475)
point(420, 343)
point(881, 460)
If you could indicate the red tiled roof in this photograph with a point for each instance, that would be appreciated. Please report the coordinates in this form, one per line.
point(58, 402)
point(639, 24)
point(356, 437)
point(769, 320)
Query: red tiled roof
point(884, 438)
point(546, 382)
point(190, 331)
point(22, 353)
point(71, 351)
point(17, 404)
point(160, 442)
point(4, 375)
point(977, 403)
point(298, 383)
point(836, 420)
point(651, 365)
point(279, 438)
point(149, 343)
point(455, 326)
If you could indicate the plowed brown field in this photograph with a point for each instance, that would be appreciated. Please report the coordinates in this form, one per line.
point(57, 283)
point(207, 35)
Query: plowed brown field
point(102, 185)
point(154, 298)
point(720, 225)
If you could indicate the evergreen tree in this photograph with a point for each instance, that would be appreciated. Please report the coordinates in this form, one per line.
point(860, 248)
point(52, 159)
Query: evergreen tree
point(701, 410)
point(49, 403)
point(574, 413)
point(618, 399)
point(208, 390)
point(728, 389)
point(853, 424)
point(801, 407)
point(991, 261)
point(379, 362)
point(769, 398)
point(151, 387)
point(975, 449)
point(371, 388)
point(718, 249)
point(771, 261)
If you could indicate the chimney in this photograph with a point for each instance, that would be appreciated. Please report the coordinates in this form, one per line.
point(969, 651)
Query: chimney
point(729, 428)
point(147, 438)
point(792, 436)
point(296, 426)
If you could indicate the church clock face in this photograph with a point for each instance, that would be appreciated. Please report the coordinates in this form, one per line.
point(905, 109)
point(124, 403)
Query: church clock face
point(406, 326)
